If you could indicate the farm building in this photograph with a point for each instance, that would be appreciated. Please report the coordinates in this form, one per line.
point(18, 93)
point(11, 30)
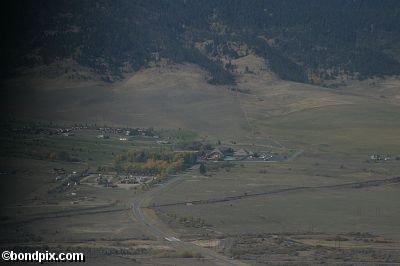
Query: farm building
point(216, 155)
point(243, 153)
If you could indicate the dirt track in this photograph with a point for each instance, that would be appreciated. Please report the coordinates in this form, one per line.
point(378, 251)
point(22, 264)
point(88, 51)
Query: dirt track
point(354, 185)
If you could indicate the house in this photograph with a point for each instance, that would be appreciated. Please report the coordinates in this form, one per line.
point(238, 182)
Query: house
point(227, 151)
point(378, 157)
point(266, 156)
point(163, 142)
point(215, 155)
point(243, 153)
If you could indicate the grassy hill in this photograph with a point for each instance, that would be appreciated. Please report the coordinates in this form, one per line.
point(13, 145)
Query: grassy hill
point(229, 69)
point(260, 109)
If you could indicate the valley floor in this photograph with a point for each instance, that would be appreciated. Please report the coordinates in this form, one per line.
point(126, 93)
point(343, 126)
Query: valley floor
point(333, 203)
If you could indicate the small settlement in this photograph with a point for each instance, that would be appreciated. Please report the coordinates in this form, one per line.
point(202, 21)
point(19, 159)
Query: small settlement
point(228, 154)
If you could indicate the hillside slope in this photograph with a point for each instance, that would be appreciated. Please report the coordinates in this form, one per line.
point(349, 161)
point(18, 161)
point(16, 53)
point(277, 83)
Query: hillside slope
point(304, 41)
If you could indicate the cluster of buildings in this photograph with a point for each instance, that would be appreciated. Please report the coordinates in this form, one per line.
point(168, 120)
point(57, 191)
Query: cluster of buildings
point(135, 179)
point(45, 130)
point(67, 180)
point(379, 157)
point(229, 154)
point(109, 181)
point(143, 132)
point(69, 131)
point(127, 134)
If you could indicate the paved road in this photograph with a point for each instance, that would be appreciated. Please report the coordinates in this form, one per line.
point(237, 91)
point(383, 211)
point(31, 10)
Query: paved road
point(161, 234)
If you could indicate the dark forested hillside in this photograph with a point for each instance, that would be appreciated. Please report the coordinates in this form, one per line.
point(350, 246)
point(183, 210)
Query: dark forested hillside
point(302, 40)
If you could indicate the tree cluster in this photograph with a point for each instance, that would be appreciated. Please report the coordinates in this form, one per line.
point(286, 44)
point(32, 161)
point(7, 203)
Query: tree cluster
point(154, 163)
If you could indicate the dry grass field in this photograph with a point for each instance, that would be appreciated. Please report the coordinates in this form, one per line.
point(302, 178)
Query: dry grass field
point(173, 96)
point(275, 226)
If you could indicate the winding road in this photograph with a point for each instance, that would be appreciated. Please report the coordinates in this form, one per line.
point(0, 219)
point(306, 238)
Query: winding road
point(161, 234)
